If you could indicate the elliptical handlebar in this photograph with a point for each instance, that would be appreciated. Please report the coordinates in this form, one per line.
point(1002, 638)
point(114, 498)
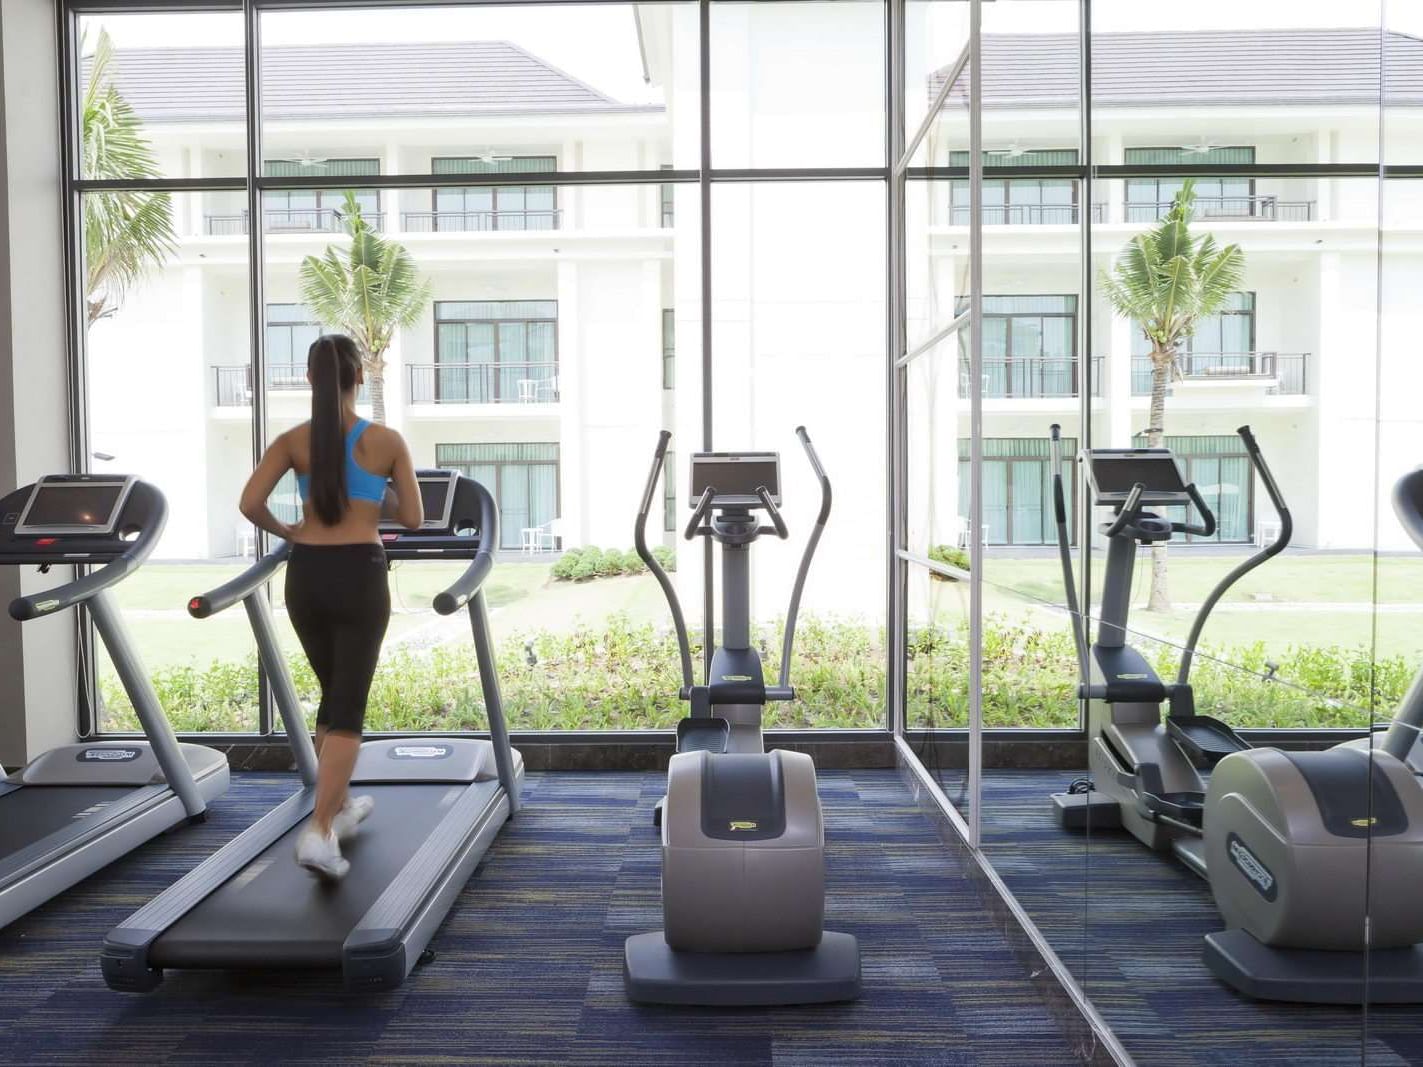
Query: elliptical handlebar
point(640, 543)
point(1129, 513)
point(1257, 461)
point(1064, 551)
point(1207, 524)
point(826, 498)
point(700, 512)
point(778, 524)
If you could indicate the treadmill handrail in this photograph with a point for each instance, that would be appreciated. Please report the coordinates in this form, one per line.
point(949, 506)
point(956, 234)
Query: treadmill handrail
point(205, 605)
point(49, 601)
point(468, 584)
point(1287, 526)
point(639, 540)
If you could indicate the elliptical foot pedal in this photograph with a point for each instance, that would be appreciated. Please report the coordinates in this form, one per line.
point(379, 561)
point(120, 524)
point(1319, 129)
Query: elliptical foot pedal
point(657, 974)
point(1086, 811)
point(700, 734)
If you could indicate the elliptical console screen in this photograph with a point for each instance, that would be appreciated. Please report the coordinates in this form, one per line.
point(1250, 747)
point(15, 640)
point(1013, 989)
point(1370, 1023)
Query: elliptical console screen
point(74, 505)
point(1114, 472)
point(437, 497)
point(736, 476)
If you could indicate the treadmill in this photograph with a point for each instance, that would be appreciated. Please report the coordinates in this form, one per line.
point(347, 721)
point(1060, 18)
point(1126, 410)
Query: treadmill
point(76, 808)
point(439, 802)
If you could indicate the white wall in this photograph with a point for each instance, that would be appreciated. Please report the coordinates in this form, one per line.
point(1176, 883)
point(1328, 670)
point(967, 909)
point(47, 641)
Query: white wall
point(37, 708)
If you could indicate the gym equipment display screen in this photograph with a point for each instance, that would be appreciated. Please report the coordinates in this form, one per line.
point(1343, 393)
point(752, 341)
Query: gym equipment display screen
point(1114, 474)
point(437, 495)
point(64, 506)
point(736, 476)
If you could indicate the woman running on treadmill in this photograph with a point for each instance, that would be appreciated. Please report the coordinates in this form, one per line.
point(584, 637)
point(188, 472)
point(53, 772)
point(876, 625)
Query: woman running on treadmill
point(337, 594)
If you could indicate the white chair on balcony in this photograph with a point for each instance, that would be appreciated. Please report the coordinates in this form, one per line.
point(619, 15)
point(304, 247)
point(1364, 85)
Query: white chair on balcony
point(542, 538)
point(528, 390)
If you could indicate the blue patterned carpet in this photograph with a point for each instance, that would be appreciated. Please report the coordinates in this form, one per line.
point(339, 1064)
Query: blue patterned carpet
point(529, 964)
point(1129, 924)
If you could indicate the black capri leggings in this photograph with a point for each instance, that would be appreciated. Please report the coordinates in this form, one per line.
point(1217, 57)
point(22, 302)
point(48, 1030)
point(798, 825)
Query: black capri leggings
point(338, 600)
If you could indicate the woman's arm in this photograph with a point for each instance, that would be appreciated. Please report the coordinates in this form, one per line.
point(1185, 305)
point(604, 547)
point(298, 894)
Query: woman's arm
point(276, 461)
point(409, 508)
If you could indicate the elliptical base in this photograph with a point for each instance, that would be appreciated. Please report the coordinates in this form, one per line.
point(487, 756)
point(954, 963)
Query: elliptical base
point(1315, 976)
point(657, 974)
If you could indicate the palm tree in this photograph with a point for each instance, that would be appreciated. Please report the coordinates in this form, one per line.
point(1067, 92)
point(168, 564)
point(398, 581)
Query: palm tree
point(126, 234)
point(1166, 280)
point(369, 290)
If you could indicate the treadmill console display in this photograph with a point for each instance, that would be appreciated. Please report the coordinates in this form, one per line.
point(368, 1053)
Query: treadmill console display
point(67, 505)
point(1113, 473)
point(736, 476)
point(437, 494)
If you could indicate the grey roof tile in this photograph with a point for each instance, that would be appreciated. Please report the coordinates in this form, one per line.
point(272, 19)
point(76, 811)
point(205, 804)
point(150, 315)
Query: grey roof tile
point(1183, 68)
point(354, 81)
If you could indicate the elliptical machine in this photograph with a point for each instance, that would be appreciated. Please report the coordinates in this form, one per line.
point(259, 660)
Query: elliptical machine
point(743, 839)
point(1148, 774)
point(1313, 858)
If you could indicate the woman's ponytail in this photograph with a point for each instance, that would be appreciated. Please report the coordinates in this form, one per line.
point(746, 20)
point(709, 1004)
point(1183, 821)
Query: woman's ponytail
point(333, 363)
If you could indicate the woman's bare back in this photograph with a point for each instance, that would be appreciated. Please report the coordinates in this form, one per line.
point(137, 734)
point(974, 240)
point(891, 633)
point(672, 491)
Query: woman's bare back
point(376, 451)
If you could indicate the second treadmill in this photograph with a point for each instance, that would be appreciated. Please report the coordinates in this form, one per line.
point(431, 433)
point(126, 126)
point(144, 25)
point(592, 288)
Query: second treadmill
point(439, 804)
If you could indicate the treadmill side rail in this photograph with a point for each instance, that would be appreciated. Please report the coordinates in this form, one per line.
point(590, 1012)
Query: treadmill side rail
point(386, 944)
point(125, 957)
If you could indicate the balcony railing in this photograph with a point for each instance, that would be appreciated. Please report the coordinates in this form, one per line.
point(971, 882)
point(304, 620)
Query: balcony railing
point(1024, 214)
point(1284, 373)
point(479, 221)
point(288, 220)
point(1030, 378)
point(483, 383)
point(1248, 208)
point(234, 383)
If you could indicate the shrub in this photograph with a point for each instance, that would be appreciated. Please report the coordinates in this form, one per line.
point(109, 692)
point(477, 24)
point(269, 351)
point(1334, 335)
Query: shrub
point(589, 565)
point(954, 557)
point(622, 675)
point(610, 563)
point(588, 562)
point(567, 565)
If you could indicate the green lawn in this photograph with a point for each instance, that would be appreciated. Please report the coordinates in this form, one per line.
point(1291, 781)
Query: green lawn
point(1290, 577)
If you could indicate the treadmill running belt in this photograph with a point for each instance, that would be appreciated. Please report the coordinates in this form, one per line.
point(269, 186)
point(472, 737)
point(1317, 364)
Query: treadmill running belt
point(273, 913)
point(36, 811)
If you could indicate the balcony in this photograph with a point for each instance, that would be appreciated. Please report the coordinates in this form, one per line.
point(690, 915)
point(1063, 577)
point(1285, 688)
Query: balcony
point(482, 383)
point(1025, 214)
point(233, 383)
point(1229, 209)
point(1282, 373)
point(1030, 378)
point(479, 221)
point(288, 220)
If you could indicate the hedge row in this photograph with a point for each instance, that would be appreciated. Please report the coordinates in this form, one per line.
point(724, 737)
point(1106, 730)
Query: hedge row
point(624, 676)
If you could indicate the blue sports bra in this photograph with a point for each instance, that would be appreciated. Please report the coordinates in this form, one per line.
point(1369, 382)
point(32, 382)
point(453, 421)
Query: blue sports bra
point(361, 484)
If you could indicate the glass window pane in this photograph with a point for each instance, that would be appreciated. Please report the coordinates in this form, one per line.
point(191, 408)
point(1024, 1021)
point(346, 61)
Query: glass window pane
point(797, 84)
point(799, 302)
point(140, 116)
point(584, 87)
point(179, 414)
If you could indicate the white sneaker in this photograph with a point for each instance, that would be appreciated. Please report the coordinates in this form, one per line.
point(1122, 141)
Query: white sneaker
point(321, 855)
point(348, 820)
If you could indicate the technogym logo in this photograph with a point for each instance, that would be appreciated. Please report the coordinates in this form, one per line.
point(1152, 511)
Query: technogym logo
point(420, 751)
point(109, 755)
point(1250, 865)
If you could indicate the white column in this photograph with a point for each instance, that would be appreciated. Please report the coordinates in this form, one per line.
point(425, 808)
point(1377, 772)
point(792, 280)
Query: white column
point(573, 481)
point(37, 660)
point(1116, 389)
